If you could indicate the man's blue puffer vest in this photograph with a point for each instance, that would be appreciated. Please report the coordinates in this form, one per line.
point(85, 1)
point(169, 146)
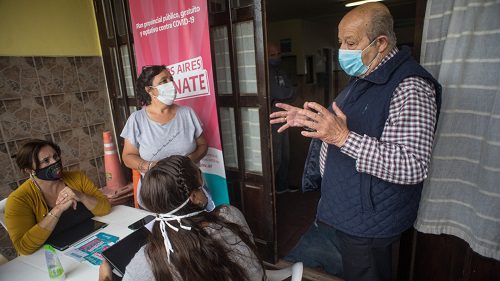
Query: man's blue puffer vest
point(357, 203)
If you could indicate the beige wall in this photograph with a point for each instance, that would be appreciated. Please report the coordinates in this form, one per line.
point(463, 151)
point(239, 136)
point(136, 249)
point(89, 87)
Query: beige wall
point(48, 28)
point(307, 38)
point(290, 29)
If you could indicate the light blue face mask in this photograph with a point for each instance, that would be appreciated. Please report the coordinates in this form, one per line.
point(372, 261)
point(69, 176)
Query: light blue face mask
point(352, 63)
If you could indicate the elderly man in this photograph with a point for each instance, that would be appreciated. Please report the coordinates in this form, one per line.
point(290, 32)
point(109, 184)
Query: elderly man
point(372, 146)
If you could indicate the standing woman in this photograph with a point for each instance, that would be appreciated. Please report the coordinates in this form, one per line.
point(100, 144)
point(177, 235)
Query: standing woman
point(161, 128)
point(51, 200)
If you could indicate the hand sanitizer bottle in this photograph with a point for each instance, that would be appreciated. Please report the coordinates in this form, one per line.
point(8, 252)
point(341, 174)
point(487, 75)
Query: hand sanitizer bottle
point(56, 271)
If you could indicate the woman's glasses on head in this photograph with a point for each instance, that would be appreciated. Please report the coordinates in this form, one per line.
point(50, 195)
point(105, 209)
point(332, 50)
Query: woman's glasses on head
point(153, 65)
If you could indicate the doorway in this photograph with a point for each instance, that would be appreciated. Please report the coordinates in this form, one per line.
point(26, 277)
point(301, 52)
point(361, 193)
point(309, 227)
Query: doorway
point(306, 33)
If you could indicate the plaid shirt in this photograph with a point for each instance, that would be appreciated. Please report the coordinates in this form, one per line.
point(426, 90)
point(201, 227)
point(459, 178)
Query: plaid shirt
point(403, 153)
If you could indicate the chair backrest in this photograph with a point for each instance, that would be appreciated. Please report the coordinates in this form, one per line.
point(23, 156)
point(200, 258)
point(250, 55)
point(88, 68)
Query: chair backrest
point(294, 270)
point(2, 213)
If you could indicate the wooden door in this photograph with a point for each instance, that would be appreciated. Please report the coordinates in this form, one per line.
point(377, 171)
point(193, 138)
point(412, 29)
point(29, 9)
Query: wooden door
point(238, 50)
point(113, 21)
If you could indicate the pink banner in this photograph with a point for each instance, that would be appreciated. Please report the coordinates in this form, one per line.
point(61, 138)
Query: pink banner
point(176, 33)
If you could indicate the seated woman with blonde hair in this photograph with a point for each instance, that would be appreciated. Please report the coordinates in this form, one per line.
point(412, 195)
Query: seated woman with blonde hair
point(187, 242)
point(51, 200)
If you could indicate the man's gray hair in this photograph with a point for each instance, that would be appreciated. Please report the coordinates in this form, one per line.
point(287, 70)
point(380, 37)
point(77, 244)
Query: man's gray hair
point(382, 24)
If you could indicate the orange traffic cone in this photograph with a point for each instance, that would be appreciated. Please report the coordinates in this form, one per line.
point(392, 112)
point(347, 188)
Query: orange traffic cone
point(136, 176)
point(114, 174)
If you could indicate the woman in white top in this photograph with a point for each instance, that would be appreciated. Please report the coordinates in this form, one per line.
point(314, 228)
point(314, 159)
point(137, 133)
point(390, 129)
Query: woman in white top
point(161, 128)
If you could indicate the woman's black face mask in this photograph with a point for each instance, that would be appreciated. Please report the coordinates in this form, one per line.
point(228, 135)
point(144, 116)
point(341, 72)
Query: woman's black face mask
point(50, 173)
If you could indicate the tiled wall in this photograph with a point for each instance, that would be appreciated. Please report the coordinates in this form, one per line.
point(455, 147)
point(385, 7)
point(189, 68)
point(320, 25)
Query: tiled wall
point(63, 99)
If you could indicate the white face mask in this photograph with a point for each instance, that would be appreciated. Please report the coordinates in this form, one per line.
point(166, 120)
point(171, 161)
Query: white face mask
point(166, 93)
point(210, 202)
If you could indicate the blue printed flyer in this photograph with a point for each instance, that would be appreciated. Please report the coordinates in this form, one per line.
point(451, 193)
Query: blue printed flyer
point(89, 250)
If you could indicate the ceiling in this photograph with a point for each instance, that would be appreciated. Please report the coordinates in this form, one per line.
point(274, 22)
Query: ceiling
point(315, 10)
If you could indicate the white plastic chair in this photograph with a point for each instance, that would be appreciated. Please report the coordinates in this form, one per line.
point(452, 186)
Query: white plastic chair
point(3, 259)
point(2, 213)
point(295, 270)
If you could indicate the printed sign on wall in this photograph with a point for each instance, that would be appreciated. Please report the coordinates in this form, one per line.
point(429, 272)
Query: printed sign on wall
point(176, 33)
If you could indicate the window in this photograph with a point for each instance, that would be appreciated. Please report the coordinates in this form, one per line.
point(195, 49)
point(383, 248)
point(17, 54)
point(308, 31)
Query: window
point(118, 56)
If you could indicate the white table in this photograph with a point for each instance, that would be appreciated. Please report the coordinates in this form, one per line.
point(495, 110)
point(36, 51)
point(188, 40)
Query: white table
point(33, 267)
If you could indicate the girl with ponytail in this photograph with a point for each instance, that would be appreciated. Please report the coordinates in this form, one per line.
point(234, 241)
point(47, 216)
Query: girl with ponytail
point(187, 242)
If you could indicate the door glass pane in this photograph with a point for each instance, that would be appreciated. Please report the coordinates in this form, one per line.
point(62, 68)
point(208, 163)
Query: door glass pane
point(133, 55)
point(132, 109)
point(240, 3)
point(216, 6)
point(127, 72)
point(119, 17)
point(245, 56)
point(107, 21)
point(251, 139)
point(123, 113)
point(222, 62)
point(229, 144)
point(116, 72)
